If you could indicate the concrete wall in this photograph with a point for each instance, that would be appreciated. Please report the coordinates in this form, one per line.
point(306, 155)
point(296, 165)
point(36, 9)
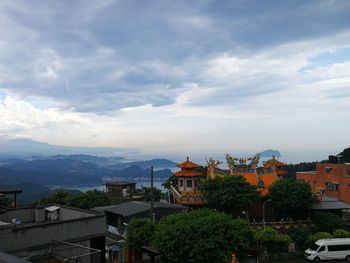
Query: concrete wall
point(68, 214)
point(22, 214)
point(23, 237)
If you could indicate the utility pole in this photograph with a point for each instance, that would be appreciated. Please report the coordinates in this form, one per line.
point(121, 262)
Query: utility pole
point(152, 197)
point(264, 203)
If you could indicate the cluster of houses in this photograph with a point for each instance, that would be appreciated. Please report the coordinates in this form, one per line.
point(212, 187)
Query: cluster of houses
point(67, 234)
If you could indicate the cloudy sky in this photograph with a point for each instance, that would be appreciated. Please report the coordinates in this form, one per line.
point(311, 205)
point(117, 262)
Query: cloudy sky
point(177, 76)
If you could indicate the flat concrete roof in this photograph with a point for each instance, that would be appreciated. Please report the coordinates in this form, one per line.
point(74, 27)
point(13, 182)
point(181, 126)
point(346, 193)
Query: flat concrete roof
point(10, 190)
point(117, 183)
point(7, 258)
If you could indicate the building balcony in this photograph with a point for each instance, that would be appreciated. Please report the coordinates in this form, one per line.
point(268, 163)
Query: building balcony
point(192, 198)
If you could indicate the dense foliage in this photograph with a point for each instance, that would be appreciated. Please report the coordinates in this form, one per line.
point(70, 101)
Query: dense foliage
point(324, 221)
point(299, 234)
point(292, 169)
point(85, 200)
point(341, 233)
point(157, 194)
point(346, 154)
point(140, 233)
point(230, 194)
point(290, 194)
point(272, 240)
point(201, 236)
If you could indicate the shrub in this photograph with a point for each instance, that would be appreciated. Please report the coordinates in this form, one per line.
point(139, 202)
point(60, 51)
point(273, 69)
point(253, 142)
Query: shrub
point(272, 240)
point(327, 222)
point(341, 233)
point(201, 236)
point(299, 235)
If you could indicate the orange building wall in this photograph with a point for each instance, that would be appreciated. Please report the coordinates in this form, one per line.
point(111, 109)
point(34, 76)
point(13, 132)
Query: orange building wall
point(333, 173)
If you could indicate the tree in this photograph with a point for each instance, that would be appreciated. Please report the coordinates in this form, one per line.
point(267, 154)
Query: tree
point(201, 236)
point(85, 200)
point(325, 221)
point(140, 233)
point(157, 194)
point(346, 154)
point(272, 239)
point(230, 194)
point(89, 199)
point(299, 234)
point(290, 194)
point(59, 197)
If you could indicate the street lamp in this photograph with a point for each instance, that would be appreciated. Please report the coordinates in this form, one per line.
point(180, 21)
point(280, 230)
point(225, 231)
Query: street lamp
point(264, 203)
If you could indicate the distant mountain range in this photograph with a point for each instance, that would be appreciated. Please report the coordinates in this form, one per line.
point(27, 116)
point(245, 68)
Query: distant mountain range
point(28, 147)
point(81, 170)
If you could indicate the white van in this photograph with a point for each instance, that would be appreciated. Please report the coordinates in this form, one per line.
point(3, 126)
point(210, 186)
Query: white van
point(329, 249)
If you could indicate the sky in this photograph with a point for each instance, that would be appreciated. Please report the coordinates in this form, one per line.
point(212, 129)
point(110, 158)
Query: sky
point(177, 76)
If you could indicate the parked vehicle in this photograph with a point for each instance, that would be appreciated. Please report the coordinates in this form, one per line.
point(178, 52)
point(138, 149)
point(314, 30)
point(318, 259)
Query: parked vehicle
point(329, 249)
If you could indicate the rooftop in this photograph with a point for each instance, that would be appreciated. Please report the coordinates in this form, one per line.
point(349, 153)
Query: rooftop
point(187, 164)
point(10, 190)
point(117, 183)
point(33, 216)
point(329, 203)
point(134, 207)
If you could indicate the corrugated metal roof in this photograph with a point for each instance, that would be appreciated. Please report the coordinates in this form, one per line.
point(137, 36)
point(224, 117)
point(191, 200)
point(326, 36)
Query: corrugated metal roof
point(135, 207)
point(330, 205)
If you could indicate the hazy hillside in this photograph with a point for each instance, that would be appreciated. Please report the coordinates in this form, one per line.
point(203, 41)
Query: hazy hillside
point(28, 147)
point(157, 163)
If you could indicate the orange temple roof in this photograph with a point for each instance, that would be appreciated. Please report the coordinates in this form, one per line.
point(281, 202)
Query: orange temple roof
point(274, 161)
point(187, 173)
point(187, 165)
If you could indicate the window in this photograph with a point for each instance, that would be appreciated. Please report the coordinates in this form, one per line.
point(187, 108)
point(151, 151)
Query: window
point(323, 248)
point(328, 170)
point(338, 247)
point(189, 183)
point(332, 186)
point(181, 183)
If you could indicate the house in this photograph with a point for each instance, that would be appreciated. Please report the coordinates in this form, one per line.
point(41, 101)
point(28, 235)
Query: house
point(119, 192)
point(53, 231)
point(331, 179)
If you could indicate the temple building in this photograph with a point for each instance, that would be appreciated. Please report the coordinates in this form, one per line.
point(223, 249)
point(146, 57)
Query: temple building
point(187, 191)
point(277, 165)
point(261, 177)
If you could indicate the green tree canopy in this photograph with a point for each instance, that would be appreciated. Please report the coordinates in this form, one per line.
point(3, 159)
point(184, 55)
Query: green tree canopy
point(290, 194)
point(157, 194)
point(325, 221)
point(85, 200)
point(140, 233)
point(272, 239)
point(89, 199)
point(230, 194)
point(346, 154)
point(201, 236)
point(59, 197)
